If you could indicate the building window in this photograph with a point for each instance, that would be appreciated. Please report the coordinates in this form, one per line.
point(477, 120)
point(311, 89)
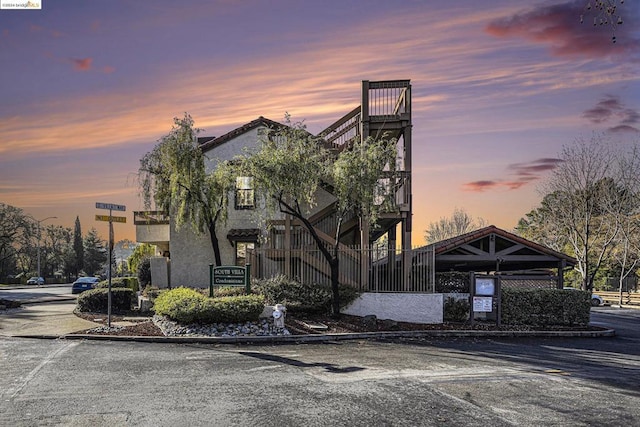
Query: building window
point(241, 252)
point(245, 195)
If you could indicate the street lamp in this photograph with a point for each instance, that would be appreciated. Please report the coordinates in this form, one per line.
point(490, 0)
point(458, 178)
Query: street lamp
point(39, 221)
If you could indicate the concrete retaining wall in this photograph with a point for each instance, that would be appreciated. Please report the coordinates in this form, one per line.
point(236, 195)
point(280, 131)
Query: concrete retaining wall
point(414, 308)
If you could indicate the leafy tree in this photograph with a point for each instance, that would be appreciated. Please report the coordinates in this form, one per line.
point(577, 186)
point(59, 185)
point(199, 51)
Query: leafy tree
point(95, 253)
point(142, 251)
point(15, 235)
point(291, 165)
point(460, 222)
point(56, 239)
point(78, 247)
point(174, 176)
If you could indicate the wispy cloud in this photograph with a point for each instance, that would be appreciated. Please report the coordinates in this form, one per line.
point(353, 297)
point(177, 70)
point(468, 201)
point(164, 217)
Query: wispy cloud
point(558, 26)
point(81, 64)
point(520, 174)
point(612, 109)
point(480, 186)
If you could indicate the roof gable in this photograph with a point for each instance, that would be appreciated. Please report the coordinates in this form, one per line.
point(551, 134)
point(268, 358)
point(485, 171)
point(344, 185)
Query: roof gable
point(483, 248)
point(211, 143)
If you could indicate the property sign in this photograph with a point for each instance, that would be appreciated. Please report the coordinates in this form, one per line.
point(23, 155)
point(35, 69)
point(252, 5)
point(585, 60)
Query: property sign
point(111, 207)
point(229, 276)
point(122, 219)
point(483, 304)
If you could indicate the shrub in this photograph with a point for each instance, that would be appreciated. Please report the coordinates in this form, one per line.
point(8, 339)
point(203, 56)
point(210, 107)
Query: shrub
point(456, 310)
point(300, 297)
point(119, 282)
point(228, 291)
point(186, 305)
point(545, 307)
point(233, 309)
point(144, 272)
point(96, 300)
point(152, 292)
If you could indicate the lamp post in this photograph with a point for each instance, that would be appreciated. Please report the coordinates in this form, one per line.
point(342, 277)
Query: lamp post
point(39, 221)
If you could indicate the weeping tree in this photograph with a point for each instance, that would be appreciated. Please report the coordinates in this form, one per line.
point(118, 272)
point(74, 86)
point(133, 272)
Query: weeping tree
point(291, 166)
point(173, 176)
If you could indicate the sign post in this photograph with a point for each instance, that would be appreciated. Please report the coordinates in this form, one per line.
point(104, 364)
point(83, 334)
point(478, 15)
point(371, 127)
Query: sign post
point(485, 297)
point(110, 207)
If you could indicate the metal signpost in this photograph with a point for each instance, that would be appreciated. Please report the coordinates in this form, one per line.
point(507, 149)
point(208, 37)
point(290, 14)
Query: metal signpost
point(110, 207)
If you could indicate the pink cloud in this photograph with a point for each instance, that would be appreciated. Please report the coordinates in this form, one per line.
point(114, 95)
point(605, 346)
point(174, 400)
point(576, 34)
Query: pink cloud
point(479, 186)
point(107, 69)
point(524, 173)
point(81, 64)
point(558, 26)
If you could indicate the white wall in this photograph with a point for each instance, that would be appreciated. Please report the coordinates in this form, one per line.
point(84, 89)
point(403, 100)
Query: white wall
point(414, 308)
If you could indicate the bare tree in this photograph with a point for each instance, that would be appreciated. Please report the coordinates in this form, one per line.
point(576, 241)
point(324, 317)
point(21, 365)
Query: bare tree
point(582, 206)
point(460, 222)
point(626, 210)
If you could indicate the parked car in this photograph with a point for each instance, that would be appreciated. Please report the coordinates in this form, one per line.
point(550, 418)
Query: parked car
point(83, 284)
point(35, 281)
point(596, 299)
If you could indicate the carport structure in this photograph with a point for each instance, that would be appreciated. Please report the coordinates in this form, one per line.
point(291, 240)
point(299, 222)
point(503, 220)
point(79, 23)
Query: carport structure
point(493, 250)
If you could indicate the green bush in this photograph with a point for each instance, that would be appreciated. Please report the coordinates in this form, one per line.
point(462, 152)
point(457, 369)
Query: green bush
point(545, 307)
point(144, 272)
point(152, 292)
point(186, 305)
point(299, 297)
point(233, 309)
point(228, 291)
point(456, 310)
point(119, 282)
point(96, 300)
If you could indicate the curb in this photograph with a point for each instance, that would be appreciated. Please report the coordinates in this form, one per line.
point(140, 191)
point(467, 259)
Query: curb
point(301, 339)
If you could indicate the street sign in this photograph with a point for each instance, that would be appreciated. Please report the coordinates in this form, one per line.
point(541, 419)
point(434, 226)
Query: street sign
point(111, 218)
point(111, 207)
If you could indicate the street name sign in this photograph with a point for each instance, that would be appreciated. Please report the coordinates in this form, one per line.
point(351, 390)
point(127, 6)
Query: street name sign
point(111, 206)
point(111, 218)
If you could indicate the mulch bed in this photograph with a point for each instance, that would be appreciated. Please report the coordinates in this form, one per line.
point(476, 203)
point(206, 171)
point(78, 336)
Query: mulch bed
point(299, 325)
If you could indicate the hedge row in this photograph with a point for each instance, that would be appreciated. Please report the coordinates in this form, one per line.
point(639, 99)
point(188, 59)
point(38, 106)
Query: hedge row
point(301, 297)
point(96, 300)
point(186, 305)
point(545, 307)
point(120, 282)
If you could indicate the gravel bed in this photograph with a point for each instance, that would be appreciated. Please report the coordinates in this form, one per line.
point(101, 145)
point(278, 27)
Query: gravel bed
point(263, 327)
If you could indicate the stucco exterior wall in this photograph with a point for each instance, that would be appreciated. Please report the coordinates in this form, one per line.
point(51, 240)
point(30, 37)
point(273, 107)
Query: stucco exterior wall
point(414, 308)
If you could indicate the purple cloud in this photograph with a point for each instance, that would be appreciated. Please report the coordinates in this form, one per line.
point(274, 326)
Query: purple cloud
point(558, 26)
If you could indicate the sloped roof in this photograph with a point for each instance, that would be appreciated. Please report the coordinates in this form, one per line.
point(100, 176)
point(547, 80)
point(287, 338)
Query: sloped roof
point(259, 122)
point(482, 249)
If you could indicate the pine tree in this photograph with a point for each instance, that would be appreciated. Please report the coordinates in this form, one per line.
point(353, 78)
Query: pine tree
point(78, 247)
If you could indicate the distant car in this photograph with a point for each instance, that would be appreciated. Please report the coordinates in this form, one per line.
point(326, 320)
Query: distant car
point(83, 284)
point(596, 299)
point(35, 281)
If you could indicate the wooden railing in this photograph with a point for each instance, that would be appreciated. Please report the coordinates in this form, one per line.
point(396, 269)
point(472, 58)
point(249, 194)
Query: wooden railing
point(628, 298)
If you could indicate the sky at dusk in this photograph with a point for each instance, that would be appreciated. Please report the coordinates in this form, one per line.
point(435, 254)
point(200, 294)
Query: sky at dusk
point(88, 87)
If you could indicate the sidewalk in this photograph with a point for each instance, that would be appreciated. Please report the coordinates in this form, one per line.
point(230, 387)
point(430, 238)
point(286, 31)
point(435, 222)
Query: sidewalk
point(51, 319)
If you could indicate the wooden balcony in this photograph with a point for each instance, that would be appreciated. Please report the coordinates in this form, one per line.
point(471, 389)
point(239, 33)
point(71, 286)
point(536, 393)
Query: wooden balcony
point(151, 227)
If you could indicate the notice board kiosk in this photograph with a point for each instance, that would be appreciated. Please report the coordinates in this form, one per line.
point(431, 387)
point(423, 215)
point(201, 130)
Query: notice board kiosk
point(485, 298)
